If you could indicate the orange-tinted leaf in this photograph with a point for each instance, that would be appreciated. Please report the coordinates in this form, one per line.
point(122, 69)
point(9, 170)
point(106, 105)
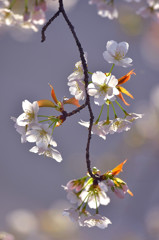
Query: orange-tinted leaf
point(122, 98)
point(130, 192)
point(126, 77)
point(46, 103)
point(123, 90)
point(72, 101)
point(53, 94)
point(118, 168)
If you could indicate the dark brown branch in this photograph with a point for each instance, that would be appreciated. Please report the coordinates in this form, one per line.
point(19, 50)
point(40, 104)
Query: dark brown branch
point(43, 37)
point(85, 69)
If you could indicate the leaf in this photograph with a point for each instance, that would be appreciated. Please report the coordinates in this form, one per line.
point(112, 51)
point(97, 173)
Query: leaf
point(131, 194)
point(123, 90)
point(53, 94)
point(72, 101)
point(122, 98)
point(118, 168)
point(46, 103)
point(126, 77)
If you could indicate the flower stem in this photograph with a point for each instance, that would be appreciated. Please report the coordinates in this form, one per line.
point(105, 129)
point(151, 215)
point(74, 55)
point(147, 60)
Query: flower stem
point(43, 116)
point(107, 113)
point(26, 5)
point(111, 69)
point(115, 115)
point(12, 4)
point(96, 122)
point(125, 112)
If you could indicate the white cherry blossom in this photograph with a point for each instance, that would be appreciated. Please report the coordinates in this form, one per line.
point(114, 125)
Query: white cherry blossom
point(95, 195)
point(73, 213)
point(38, 16)
point(133, 116)
point(105, 9)
point(96, 220)
point(97, 129)
point(77, 89)
point(78, 73)
point(21, 130)
point(8, 17)
point(41, 133)
point(119, 125)
point(115, 53)
point(103, 87)
point(151, 9)
point(6, 236)
point(72, 195)
point(132, 0)
point(30, 113)
point(47, 151)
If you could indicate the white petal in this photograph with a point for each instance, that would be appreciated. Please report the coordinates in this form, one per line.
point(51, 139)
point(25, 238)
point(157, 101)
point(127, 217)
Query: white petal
point(98, 78)
point(27, 106)
point(112, 81)
point(34, 149)
point(111, 47)
point(126, 62)
point(108, 57)
point(92, 89)
point(123, 48)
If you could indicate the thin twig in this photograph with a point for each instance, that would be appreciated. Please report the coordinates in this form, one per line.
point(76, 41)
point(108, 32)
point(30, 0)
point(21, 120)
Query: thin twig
point(85, 70)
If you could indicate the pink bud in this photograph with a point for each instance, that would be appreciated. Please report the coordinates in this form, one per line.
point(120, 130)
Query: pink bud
point(124, 187)
point(110, 183)
point(119, 193)
point(26, 16)
point(71, 185)
point(43, 6)
point(79, 187)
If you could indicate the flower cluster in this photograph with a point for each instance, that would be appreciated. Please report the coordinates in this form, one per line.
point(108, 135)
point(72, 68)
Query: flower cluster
point(108, 8)
point(87, 192)
point(32, 131)
point(105, 88)
point(30, 17)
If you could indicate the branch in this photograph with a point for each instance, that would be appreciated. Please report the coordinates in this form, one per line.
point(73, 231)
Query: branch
point(85, 69)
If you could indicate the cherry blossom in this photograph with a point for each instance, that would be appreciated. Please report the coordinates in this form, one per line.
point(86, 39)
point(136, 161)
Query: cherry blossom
point(47, 151)
point(150, 10)
point(105, 8)
point(115, 53)
point(8, 17)
point(133, 116)
point(73, 213)
point(38, 16)
point(97, 128)
point(6, 236)
point(103, 87)
point(21, 130)
point(77, 89)
point(119, 125)
point(78, 73)
point(95, 220)
point(95, 195)
point(30, 113)
point(40, 133)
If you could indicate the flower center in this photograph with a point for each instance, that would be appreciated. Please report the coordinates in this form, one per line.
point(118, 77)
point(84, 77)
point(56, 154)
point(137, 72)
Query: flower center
point(42, 133)
point(104, 88)
point(30, 115)
point(78, 88)
point(118, 55)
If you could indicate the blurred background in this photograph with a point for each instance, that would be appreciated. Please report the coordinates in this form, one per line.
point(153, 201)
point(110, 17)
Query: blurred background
point(31, 197)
